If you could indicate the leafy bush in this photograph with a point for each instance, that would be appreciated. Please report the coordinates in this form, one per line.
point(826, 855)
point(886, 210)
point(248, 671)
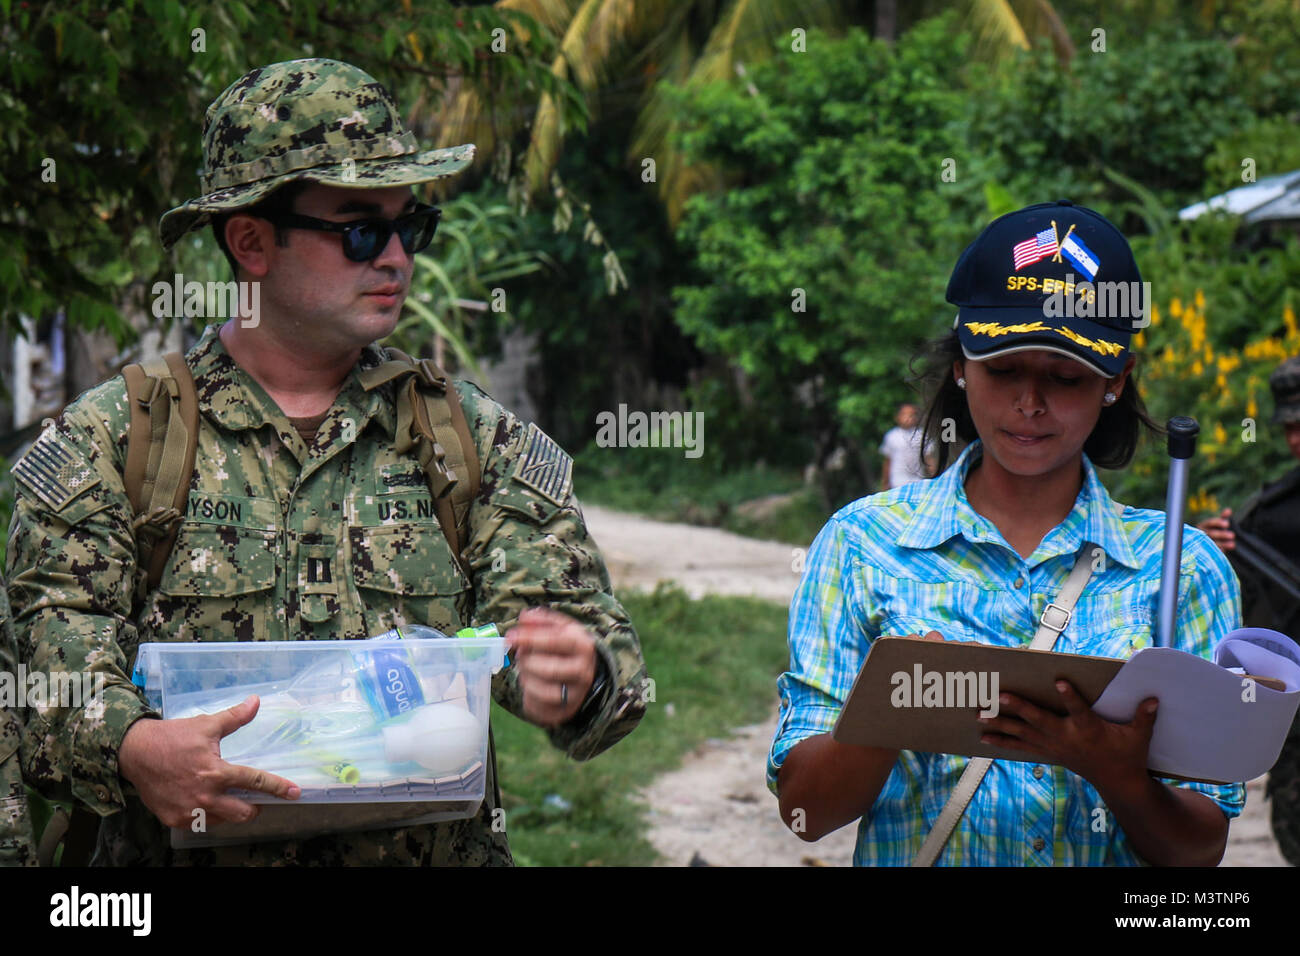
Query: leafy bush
point(822, 269)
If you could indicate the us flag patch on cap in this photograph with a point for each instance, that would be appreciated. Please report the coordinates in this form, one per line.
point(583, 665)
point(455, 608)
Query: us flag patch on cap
point(55, 472)
point(546, 467)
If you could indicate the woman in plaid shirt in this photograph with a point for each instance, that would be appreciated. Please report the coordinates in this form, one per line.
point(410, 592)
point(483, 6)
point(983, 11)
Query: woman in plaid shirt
point(1038, 394)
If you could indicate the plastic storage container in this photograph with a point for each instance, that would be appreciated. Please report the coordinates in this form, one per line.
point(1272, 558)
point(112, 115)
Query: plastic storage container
point(390, 731)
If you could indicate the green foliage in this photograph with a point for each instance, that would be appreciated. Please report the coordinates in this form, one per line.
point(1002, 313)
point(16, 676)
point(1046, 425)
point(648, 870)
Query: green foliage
point(838, 199)
point(113, 93)
point(453, 290)
point(1270, 142)
point(693, 648)
point(599, 347)
point(1150, 108)
point(836, 189)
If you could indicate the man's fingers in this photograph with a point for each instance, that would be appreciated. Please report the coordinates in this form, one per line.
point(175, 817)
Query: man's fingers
point(548, 632)
point(231, 810)
point(250, 778)
point(232, 718)
point(558, 670)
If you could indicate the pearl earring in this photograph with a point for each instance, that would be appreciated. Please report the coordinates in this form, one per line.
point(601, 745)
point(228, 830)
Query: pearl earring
point(1110, 398)
point(961, 383)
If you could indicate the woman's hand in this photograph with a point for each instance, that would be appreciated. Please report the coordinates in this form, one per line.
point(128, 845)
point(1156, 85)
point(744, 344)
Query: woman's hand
point(1107, 754)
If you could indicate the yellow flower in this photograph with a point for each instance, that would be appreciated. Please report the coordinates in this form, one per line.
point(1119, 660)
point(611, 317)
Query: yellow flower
point(1155, 313)
point(1197, 368)
point(1288, 317)
point(1252, 410)
point(1220, 435)
point(1175, 307)
point(1200, 299)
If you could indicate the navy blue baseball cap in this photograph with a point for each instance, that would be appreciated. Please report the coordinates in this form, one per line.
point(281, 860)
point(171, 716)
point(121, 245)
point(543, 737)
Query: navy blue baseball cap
point(1052, 276)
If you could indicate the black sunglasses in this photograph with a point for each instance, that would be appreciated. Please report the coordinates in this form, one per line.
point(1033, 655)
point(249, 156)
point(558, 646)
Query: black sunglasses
point(364, 239)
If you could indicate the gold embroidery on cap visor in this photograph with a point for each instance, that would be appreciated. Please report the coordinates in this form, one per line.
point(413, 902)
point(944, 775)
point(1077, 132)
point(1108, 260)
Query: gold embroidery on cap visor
point(994, 329)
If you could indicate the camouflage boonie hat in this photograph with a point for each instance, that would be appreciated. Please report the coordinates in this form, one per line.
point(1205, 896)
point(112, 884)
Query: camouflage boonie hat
point(1285, 385)
point(315, 119)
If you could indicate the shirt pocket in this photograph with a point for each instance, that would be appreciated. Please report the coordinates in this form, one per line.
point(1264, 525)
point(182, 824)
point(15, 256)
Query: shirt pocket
point(405, 574)
point(956, 609)
point(218, 586)
point(1108, 625)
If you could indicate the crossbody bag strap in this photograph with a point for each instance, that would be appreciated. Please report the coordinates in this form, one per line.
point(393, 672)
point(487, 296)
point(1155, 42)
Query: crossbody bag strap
point(1054, 620)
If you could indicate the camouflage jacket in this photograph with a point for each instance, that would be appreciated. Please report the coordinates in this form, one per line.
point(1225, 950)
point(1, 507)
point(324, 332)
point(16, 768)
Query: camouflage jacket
point(264, 511)
point(17, 843)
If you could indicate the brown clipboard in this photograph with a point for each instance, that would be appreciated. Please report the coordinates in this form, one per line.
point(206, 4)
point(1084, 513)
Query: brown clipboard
point(873, 717)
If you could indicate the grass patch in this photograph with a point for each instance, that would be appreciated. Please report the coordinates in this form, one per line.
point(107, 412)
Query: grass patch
point(661, 483)
point(715, 660)
point(794, 521)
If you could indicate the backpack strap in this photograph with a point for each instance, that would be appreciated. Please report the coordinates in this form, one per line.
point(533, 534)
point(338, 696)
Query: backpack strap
point(161, 445)
point(431, 421)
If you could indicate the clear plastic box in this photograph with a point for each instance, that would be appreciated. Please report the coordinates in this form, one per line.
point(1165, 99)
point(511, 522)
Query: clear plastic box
point(377, 733)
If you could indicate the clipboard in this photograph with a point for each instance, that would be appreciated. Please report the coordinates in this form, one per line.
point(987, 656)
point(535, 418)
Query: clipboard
point(889, 707)
point(872, 716)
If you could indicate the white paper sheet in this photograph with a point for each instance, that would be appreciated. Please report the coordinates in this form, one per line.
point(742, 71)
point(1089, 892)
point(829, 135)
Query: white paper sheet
point(1213, 723)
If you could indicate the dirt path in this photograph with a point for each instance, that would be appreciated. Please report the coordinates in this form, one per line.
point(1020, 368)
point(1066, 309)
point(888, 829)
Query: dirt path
point(716, 807)
point(640, 553)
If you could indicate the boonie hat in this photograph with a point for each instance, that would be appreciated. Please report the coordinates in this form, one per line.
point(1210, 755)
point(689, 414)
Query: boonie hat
point(315, 119)
point(1285, 385)
point(1051, 276)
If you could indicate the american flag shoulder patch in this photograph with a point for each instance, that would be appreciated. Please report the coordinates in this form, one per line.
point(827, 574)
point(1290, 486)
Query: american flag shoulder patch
point(545, 467)
point(55, 471)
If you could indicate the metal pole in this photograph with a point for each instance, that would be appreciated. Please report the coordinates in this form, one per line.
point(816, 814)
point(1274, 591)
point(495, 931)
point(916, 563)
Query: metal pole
point(1182, 446)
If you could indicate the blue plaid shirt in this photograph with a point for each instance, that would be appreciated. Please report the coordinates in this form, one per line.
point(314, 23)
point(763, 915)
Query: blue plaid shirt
point(919, 558)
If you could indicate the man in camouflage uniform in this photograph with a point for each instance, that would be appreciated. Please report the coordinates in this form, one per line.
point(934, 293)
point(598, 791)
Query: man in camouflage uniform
point(303, 520)
point(17, 845)
point(1272, 517)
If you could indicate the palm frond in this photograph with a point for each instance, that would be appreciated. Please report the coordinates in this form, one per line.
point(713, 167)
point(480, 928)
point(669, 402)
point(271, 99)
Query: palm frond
point(748, 31)
point(997, 29)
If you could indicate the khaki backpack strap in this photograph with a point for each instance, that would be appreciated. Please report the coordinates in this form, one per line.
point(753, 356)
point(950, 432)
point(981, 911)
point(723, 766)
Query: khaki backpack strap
point(431, 422)
point(164, 407)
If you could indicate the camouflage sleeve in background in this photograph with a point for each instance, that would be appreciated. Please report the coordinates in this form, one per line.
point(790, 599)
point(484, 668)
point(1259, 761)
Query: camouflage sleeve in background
point(70, 566)
point(17, 841)
point(529, 546)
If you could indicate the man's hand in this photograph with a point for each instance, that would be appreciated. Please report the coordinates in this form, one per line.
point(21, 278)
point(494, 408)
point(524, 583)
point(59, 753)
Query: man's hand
point(176, 766)
point(1219, 530)
point(555, 657)
point(1105, 754)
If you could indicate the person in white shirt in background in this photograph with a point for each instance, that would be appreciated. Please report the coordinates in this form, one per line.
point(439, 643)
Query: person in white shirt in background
point(902, 450)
